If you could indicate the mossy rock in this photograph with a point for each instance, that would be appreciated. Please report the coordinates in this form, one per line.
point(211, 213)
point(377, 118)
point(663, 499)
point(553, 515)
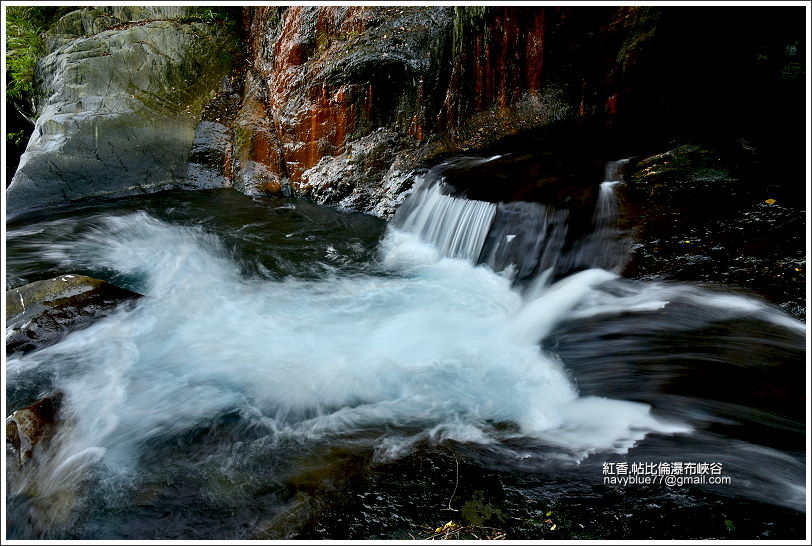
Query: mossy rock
point(690, 176)
point(479, 511)
point(41, 313)
point(688, 162)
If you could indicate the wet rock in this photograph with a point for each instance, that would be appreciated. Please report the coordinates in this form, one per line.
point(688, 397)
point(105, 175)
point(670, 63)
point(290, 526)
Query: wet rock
point(41, 313)
point(450, 80)
point(392, 191)
point(342, 101)
point(713, 214)
point(118, 103)
point(336, 178)
point(689, 177)
point(29, 427)
point(207, 158)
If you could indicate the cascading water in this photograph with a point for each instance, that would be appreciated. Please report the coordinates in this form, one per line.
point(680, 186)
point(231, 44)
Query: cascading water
point(241, 361)
point(516, 238)
point(520, 239)
point(606, 246)
point(456, 227)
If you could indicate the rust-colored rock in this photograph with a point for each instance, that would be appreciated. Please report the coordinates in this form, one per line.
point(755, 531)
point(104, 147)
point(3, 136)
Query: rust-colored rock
point(320, 78)
point(29, 427)
point(445, 80)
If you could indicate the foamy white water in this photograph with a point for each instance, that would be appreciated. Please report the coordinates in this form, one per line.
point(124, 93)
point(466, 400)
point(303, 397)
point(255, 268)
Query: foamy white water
point(426, 346)
point(437, 345)
point(456, 227)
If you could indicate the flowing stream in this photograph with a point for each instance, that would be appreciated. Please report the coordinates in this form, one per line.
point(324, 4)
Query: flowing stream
point(277, 337)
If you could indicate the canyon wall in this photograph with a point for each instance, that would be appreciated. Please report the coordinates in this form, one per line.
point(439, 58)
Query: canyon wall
point(344, 105)
point(338, 104)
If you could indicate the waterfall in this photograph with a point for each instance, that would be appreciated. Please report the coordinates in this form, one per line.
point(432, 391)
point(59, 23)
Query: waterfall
point(615, 170)
point(519, 238)
point(457, 227)
point(606, 246)
point(606, 210)
point(269, 336)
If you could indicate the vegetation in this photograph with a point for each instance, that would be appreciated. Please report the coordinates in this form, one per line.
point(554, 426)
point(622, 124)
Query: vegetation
point(15, 138)
point(24, 48)
point(227, 16)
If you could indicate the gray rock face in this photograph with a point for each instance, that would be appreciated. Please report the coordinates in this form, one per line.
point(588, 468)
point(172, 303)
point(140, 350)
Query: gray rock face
point(121, 106)
point(207, 158)
point(369, 176)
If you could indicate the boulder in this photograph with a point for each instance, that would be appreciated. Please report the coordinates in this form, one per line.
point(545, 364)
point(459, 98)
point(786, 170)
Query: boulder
point(118, 104)
point(29, 427)
point(41, 313)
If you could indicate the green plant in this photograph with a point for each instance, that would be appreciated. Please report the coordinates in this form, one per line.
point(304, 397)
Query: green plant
point(15, 138)
point(24, 48)
point(209, 16)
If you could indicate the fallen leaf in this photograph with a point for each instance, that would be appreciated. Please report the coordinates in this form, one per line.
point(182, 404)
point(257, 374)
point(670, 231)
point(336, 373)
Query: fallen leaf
point(553, 527)
point(770, 201)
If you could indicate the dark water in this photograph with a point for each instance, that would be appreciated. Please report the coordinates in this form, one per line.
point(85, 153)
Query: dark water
point(300, 372)
point(270, 238)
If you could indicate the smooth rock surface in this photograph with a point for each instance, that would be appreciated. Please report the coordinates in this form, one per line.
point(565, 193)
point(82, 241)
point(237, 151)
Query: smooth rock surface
point(120, 106)
point(41, 313)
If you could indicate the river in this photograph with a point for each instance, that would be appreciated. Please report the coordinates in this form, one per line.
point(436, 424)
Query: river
point(299, 372)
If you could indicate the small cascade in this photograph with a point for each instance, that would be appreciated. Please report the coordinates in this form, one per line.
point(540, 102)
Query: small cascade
point(606, 210)
point(606, 246)
point(257, 356)
point(457, 227)
point(615, 171)
point(519, 239)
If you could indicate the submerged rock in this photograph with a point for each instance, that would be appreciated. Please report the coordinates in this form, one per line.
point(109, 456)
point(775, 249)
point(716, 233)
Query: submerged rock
point(29, 427)
point(41, 313)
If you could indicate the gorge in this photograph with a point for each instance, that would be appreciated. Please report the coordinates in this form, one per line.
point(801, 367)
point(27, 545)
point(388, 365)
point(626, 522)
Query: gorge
point(412, 272)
